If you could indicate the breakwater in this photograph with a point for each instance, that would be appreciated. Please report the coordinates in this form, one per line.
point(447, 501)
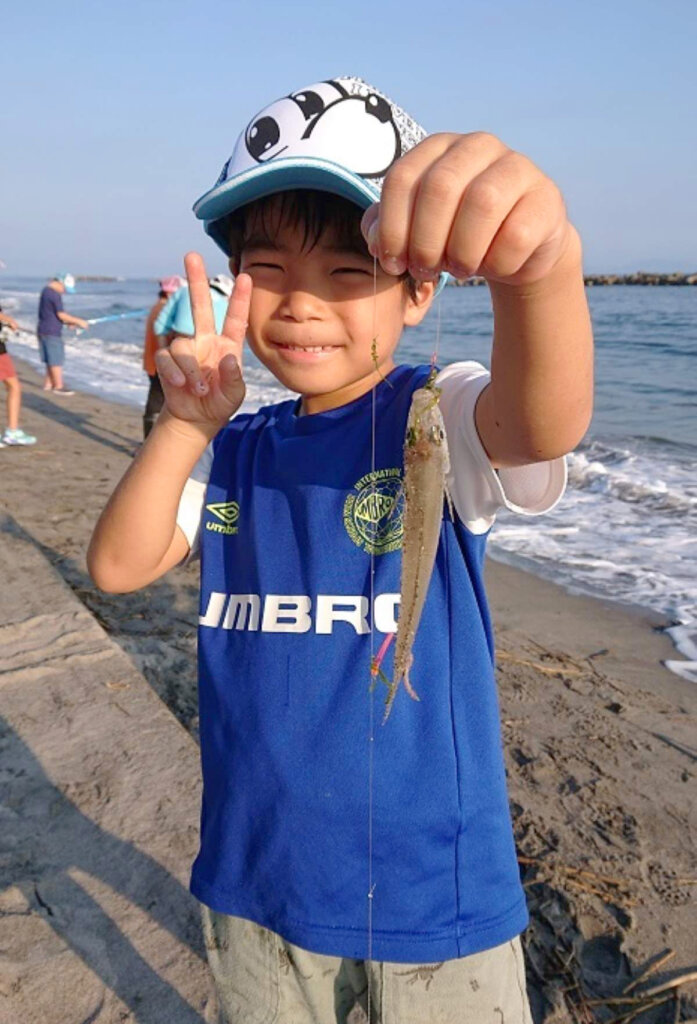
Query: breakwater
point(641, 277)
point(98, 278)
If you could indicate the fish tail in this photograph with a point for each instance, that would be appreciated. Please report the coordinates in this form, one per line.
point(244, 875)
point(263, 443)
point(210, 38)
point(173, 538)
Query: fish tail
point(394, 686)
point(407, 685)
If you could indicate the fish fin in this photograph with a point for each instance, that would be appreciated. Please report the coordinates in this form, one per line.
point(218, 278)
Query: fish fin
point(394, 686)
point(407, 685)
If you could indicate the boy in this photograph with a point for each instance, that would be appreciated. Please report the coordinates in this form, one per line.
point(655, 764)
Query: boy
point(345, 868)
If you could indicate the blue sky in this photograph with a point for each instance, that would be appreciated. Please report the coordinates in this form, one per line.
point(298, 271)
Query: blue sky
point(116, 117)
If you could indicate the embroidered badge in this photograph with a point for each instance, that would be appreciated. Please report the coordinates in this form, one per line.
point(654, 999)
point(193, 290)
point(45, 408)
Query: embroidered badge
point(373, 512)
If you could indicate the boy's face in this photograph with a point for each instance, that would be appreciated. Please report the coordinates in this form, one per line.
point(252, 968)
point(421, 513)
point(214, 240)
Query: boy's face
point(315, 312)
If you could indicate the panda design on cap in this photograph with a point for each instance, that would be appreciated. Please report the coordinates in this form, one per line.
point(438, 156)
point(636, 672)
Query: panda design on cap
point(343, 120)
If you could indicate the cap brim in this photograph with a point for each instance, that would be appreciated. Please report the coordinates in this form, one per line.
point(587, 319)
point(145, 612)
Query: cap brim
point(279, 176)
point(282, 175)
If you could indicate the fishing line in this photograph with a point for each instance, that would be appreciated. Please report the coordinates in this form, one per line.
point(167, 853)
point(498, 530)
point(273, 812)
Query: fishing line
point(135, 313)
point(371, 688)
point(434, 354)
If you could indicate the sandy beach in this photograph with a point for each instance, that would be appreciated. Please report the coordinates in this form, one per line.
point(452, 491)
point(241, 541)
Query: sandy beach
point(600, 739)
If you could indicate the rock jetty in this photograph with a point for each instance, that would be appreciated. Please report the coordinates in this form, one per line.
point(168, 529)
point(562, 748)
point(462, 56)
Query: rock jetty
point(640, 277)
point(99, 278)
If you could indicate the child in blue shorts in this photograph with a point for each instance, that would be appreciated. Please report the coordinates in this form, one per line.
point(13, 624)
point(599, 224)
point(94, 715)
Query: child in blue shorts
point(350, 870)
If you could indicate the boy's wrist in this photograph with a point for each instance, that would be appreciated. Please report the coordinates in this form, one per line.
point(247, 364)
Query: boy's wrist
point(199, 434)
point(568, 267)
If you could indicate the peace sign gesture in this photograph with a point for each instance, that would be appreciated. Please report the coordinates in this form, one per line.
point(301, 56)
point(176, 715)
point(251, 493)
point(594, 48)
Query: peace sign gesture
point(202, 376)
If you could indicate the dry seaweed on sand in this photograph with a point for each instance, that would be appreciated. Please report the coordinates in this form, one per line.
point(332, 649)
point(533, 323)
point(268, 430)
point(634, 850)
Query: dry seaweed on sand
point(588, 981)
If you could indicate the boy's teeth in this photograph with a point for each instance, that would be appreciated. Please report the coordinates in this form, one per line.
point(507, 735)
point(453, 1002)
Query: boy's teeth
point(309, 348)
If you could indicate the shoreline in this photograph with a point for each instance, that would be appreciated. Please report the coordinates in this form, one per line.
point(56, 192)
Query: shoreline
point(593, 626)
point(598, 735)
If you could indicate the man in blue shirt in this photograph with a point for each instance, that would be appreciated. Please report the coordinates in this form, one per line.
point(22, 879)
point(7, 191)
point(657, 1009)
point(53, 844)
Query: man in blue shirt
point(49, 330)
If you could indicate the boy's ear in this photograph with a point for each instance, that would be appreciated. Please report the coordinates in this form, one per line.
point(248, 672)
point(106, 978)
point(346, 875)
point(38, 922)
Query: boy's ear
point(234, 265)
point(419, 303)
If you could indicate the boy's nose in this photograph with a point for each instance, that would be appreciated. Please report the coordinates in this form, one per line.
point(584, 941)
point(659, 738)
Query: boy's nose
point(300, 305)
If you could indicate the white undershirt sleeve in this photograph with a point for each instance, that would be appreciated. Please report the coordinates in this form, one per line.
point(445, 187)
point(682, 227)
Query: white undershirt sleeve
point(191, 502)
point(476, 488)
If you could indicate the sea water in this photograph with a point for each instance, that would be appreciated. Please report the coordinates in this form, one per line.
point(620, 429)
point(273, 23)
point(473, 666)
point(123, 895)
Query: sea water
point(627, 527)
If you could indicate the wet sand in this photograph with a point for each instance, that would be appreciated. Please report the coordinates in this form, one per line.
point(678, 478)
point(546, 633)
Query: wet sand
point(600, 739)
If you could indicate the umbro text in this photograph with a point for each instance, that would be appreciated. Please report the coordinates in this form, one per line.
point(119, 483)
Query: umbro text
point(297, 613)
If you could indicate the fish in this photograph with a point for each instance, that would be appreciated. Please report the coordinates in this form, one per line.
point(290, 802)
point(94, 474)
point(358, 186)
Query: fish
point(426, 465)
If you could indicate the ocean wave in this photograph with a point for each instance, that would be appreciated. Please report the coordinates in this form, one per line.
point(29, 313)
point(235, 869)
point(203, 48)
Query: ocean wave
point(13, 302)
point(112, 351)
point(684, 636)
point(625, 530)
point(595, 475)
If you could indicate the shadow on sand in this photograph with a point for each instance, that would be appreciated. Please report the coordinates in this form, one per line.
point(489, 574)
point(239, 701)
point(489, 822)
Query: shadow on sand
point(44, 839)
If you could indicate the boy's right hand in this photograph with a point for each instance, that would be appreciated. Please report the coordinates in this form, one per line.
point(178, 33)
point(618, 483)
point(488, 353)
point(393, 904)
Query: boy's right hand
point(201, 376)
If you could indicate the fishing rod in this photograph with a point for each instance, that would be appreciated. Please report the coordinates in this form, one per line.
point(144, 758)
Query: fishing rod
point(132, 314)
point(118, 316)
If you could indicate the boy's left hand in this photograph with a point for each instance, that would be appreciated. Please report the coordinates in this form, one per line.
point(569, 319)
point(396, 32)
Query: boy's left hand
point(467, 204)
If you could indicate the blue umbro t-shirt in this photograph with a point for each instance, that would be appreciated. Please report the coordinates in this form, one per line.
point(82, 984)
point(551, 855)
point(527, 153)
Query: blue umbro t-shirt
point(295, 520)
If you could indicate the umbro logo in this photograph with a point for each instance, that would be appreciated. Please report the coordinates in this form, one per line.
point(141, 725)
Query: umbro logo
point(227, 513)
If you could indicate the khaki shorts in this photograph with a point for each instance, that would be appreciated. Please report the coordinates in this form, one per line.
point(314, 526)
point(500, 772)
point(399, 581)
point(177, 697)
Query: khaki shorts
point(262, 979)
